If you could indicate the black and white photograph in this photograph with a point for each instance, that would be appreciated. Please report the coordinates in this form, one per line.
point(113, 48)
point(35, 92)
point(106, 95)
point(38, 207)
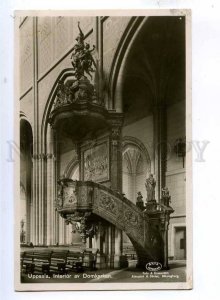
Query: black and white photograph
point(105, 169)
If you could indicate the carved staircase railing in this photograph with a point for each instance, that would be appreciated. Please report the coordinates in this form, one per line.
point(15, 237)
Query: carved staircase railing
point(78, 201)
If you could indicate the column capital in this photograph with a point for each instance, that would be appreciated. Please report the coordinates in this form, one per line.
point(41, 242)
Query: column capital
point(43, 156)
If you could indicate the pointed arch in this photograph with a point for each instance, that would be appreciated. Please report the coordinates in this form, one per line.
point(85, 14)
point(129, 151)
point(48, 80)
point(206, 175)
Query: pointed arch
point(132, 141)
point(49, 104)
point(120, 58)
point(136, 157)
point(26, 175)
point(71, 167)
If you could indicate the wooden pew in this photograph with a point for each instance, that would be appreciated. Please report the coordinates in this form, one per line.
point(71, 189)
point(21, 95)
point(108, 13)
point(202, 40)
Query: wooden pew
point(41, 261)
point(74, 261)
point(58, 261)
point(27, 264)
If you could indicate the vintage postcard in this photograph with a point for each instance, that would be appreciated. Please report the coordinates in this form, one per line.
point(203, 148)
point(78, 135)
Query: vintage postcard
point(103, 115)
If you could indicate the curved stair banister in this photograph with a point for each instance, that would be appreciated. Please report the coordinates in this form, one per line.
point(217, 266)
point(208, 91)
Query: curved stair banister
point(78, 201)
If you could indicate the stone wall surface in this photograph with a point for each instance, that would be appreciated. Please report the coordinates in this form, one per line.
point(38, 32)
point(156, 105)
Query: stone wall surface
point(26, 55)
point(113, 29)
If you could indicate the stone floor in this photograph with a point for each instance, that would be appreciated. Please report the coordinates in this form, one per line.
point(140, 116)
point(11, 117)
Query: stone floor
point(176, 273)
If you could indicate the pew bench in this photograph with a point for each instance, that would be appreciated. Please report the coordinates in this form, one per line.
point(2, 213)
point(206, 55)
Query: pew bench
point(27, 264)
point(58, 261)
point(41, 262)
point(74, 261)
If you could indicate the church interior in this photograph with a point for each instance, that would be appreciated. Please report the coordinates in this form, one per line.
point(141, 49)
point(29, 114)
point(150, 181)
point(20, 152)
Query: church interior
point(102, 142)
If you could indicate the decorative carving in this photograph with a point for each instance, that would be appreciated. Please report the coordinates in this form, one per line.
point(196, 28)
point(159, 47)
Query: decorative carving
point(107, 203)
point(86, 229)
point(86, 91)
point(116, 132)
point(82, 60)
point(96, 164)
point(150, 187)
point(83, 225)
point(66, 194)
point(75, 217)
point(79, 89)
point(43, 156)
point(65, 94)
point(84, 196)
point(145, 228)
point(59, 199)
point(130, 218)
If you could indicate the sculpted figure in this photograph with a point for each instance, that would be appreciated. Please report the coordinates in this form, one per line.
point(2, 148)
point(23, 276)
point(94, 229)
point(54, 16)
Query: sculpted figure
point(165, 192)
point(140, 202)
point(150, 187)
point(166, 196)
point(82, 60)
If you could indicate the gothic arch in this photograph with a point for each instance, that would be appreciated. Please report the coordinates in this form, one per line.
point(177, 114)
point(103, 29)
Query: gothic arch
point(117, 71)
point(48, 149)
point(130, 140)
point(71, 167)
point(26, 170)
point(49, 104)
point(136, 166)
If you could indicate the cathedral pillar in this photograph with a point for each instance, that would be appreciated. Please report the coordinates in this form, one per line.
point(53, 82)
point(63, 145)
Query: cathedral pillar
point(50, 195)
point(115, 235)
point(164, 233)
point(160, 146)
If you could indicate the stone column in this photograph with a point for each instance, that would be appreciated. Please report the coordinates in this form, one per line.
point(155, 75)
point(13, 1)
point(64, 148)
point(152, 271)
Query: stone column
point(118, 247)
point(39, 201)
point(50, 196)
point(160, 144)
point(34, 227)
point(115, 236)
point(116, 157)
point(164, 233)
point(97, 243)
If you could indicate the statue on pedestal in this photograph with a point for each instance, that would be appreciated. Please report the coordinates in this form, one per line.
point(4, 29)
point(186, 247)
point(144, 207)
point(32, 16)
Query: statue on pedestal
point(165, 196)
point(140, 202)
point(150, 187)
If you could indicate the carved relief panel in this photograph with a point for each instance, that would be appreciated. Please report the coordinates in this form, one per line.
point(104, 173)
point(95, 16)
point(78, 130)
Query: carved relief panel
point(69, 196)
point(95, 162)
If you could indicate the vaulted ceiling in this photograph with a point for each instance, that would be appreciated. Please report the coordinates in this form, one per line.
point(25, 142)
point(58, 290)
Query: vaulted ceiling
point(155, 67)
